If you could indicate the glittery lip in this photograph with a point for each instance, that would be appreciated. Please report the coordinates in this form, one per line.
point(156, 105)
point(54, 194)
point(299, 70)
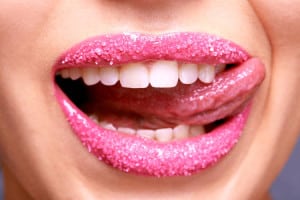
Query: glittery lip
point(143, 156)
point(109, 50)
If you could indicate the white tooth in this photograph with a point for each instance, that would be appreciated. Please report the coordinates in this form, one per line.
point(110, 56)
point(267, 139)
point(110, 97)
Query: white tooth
point(220, 68)
point(94, 118)
point(164, 134)
point(134, 75)
point(90, 76)
point(164, 74)
point(109, 75)
point(107, 125)
point(196, 130)
point(65, 73)
point(188, 73)
point(75, 73)
point(146, 133)
point(129, 131)
point(181, 132)
point(206, 73)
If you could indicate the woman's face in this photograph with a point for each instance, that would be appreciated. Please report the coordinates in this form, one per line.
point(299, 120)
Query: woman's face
point(42, 154)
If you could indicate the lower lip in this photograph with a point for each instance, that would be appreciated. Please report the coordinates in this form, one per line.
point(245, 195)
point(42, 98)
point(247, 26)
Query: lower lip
point(147, 157)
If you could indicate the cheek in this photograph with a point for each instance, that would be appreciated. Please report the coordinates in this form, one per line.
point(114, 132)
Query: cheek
point(281, 21)
point(22, 20)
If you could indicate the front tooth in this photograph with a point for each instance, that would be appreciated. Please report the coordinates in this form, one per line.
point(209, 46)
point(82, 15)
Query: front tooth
point(164, 134)
point(163, 74)
point(146, 133)
point(134, 75)
point(90, 76)
point(74, 73)
point(206, 73)
point(188, 73)
point(181, 132)
point(129, 131)
point(109, 75)
point(196, 130)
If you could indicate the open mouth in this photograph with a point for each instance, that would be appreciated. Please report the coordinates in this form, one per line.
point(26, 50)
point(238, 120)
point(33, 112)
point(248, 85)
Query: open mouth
point(151, 100)
point(157, 105)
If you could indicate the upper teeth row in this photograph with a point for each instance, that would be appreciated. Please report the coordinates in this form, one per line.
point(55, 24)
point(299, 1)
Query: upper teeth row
point(159, 74)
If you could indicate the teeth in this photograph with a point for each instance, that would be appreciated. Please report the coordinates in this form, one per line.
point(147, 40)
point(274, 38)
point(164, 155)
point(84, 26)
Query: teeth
point(65, 73)
point(94, 118)
point(108, 126)
point(146, 133)
point(109, 75)
point(162, 135)
point(159, 74)
point(206, 73)
point(129, 131)
point(75, 73)
point(188, 73)
point(134, 75)
point(91, 76)
point(164, 74)
point(181, 132)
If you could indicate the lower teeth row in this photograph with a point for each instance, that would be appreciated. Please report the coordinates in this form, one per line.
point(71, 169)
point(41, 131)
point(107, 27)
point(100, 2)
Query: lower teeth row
point(161, 135)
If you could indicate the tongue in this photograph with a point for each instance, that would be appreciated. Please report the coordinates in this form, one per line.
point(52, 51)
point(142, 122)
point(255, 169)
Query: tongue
point(198, 103)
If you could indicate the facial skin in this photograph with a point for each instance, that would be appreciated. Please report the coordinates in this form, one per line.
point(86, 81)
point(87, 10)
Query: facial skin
point(43, 159)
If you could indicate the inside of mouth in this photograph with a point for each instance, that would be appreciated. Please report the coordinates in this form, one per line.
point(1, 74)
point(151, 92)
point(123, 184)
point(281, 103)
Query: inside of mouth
point(119, 108)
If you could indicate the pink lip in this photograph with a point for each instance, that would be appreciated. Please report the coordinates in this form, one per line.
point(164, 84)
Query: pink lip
point(143, 156)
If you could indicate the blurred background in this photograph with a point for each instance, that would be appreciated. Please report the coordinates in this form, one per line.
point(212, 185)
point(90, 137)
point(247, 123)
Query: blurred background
point(286, 187)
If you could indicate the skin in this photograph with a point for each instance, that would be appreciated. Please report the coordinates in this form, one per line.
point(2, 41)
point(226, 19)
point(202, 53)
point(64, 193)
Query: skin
point(42, 158)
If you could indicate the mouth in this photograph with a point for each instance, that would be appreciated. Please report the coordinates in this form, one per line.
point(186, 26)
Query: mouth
point(165, 105)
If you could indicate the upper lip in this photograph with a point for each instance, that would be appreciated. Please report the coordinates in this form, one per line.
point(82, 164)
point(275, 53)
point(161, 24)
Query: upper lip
point(180, 158)
point(134, 47)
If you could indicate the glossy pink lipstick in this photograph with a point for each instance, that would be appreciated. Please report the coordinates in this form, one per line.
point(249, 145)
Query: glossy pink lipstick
point(176, 158)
